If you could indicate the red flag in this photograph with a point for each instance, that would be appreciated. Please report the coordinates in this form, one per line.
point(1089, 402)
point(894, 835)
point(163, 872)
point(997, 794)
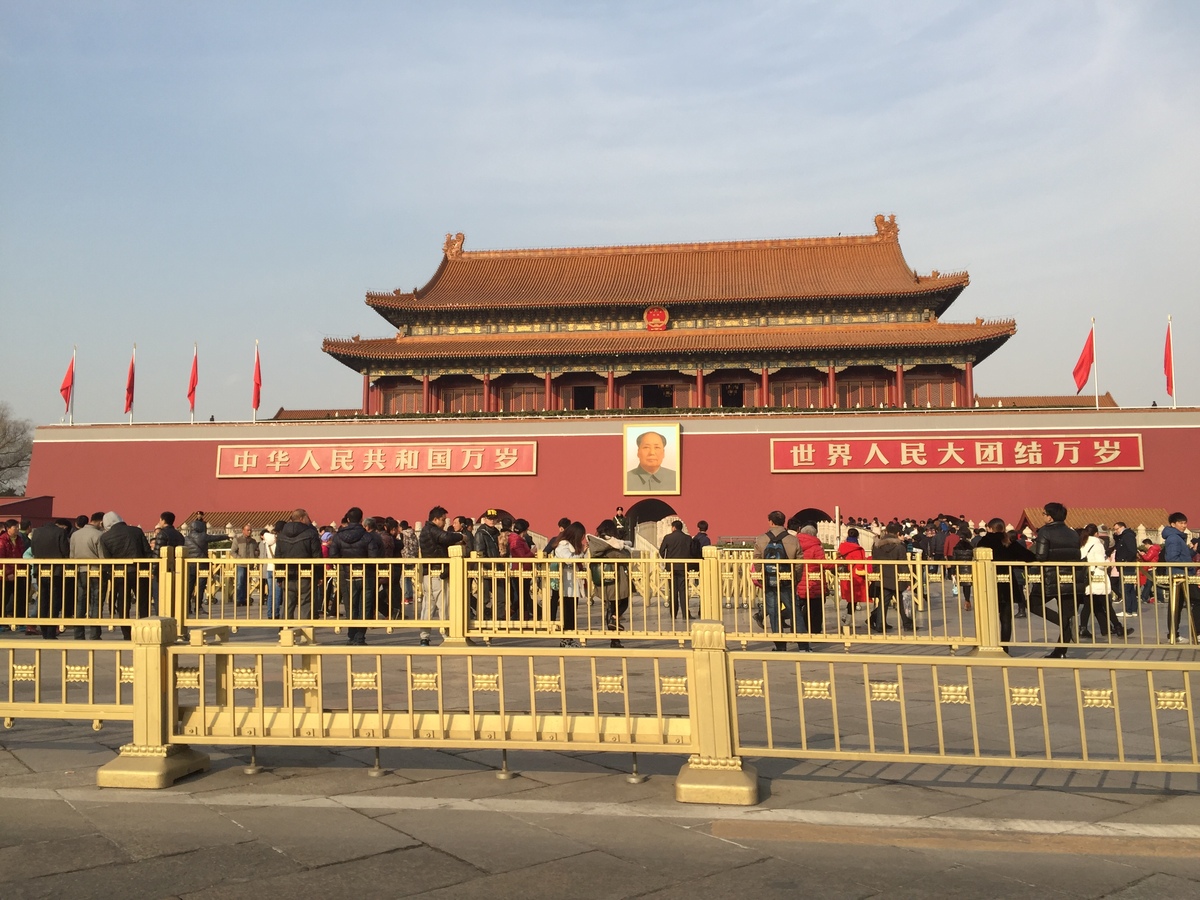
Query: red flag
point(129, 384)
point(1083, 368)
point(1169, 364)
point(257, 380)
point(68, 384)
point(193, 381)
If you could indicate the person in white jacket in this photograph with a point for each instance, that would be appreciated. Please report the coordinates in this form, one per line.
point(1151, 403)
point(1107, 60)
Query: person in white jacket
point(272, 590)
point(1093, 551)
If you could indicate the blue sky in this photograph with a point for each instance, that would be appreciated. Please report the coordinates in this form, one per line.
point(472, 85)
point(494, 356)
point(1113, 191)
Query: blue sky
point(221, 172)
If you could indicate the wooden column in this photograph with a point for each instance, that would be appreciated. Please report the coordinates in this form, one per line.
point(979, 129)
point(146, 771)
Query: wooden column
point(899, 386)
point(969, 385)
point(425, 393)
point(487, 392)
point(366, 404)
point(700, 402)
point(549, 399)
point(831, 388)
point(611, 395)
point(764, 399)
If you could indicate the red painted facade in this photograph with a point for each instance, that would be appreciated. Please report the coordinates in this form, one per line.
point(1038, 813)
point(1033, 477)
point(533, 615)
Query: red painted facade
point(725, 467)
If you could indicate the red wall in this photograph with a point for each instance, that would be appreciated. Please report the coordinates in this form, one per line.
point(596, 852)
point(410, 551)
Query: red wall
point(725, 470)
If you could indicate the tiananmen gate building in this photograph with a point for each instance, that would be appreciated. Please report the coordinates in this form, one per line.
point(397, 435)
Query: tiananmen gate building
point(721, 380)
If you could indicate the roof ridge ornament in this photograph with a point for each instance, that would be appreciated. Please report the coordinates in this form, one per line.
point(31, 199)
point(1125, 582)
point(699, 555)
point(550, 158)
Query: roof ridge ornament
point(453, 247)
point(886, 227)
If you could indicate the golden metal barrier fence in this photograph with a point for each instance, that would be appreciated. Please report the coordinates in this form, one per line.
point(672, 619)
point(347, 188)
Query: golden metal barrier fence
point(377, 594)
point(85, 596)
point(577, 600)
point(1085, 713)
point(459, 697)
point(706, 701)
point(1082, 604)
point(76, 680)
point(819, 604)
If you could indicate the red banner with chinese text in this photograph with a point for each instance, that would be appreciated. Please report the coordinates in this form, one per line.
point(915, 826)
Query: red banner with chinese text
point(384, 459)
point(958, 453)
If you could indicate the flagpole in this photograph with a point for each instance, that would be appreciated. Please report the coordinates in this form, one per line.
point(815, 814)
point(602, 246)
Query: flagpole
point(1095, 365)
point(254, 406)
point(195, 352)
point(71, 405)
point(132, 361)
point(1171, 345)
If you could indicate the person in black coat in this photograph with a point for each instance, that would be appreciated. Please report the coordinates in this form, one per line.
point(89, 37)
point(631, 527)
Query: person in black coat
point(677, 545)
point(352, 541)
point(1057, 542)
point(195, 546)
point(1008, 592)
point(50, 541)
point(298, 539)
point(131, 593)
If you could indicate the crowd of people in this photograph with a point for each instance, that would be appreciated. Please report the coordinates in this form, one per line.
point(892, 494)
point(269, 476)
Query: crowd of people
point(293, 589)
point(1086, 592)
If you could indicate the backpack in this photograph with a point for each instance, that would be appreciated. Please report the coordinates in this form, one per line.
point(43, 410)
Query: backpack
point(773, 550)
point(963, 551)
point(611, 579)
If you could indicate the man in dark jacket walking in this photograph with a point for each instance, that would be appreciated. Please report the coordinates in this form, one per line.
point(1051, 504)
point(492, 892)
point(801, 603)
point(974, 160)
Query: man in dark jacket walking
point(356, 584)
point(677, 545)
point(50, 541)
point(123, 541)
point(298, 539)
point(1057, 542)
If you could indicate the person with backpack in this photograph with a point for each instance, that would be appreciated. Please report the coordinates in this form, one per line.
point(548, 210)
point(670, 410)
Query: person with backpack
point(775, 577)
point(610, 578)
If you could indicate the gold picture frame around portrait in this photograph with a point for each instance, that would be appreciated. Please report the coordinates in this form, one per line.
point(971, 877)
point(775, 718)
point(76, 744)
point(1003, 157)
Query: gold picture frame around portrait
point(650, 459)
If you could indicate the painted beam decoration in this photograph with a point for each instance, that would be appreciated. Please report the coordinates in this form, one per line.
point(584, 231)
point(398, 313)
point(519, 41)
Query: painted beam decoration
point(443, 458)
point(828, 453)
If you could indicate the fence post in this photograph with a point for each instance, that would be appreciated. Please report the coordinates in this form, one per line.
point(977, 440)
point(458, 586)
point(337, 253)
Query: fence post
point(710, 584)
point(456, 597)
point(986, 603)
point(151, 761)
point(713, 774)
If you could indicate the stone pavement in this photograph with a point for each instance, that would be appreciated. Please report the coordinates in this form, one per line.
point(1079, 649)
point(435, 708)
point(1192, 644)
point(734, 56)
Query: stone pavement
point(441, 824)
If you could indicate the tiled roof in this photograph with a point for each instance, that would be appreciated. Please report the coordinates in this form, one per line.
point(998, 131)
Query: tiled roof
point(671, 342)
point(1070, 401)
point(316, 413)
point(1077, 517)
point(799, 268)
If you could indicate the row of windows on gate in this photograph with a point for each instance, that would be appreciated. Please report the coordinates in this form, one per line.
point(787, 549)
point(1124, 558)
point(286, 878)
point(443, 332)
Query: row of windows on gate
point(730, 395)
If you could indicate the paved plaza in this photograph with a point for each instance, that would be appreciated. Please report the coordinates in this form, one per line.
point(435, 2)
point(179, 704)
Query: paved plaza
point(314, 822)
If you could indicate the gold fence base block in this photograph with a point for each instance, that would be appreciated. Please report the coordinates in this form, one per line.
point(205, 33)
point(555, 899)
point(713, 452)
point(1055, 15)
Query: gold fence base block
point(726, 786)
point(152, 772)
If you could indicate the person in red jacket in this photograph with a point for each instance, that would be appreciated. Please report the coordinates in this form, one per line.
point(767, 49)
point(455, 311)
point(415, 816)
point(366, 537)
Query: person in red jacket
point(14, 590)
point(810, 585)
point(852, 578)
